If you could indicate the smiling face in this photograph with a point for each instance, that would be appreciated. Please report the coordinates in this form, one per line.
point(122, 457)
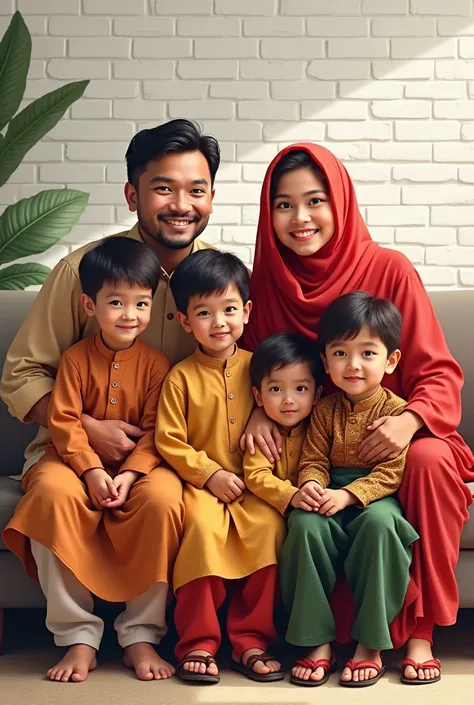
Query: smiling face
point(287, 394)
point(173, 200)
point(217, 321)
point(301, 212)
point(358, 366)
point(122, 312)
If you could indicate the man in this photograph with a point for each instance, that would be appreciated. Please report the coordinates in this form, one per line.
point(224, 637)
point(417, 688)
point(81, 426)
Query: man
point(170, 171)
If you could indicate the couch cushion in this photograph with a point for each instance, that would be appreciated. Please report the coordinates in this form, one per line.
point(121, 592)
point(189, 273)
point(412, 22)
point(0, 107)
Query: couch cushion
point(467, 538)
point(10, 494)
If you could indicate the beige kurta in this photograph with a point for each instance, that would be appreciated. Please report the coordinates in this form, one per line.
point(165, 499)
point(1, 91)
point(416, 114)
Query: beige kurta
point(334, 435)
point(101, 547)
point(57, 320)
point(203, 410)
point(276, 483)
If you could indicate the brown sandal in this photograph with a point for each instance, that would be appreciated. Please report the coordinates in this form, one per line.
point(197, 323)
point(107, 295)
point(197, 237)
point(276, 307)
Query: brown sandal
point(247, 669)
point(186, 675)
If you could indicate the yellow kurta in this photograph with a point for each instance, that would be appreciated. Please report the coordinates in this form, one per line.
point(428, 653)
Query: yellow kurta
point(57, 320)
point(276, 483)
point(335, 433)
point(204, 407)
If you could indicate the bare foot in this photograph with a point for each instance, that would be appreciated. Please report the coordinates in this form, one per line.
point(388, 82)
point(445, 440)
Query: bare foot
point(323, 651)
point(362, 674)
point(147, 663)
point(197, 667)
point(420, 651)
point(75, 665)
point(259, 666)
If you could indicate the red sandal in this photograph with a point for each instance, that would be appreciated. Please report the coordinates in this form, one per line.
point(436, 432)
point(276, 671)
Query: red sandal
point(356, 666)
point(328, 666)
point(432, 663)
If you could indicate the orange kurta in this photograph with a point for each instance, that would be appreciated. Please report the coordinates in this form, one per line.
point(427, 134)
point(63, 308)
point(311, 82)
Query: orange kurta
point(101, 547)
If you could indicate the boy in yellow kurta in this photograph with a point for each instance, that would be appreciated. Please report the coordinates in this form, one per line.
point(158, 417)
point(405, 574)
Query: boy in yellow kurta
point(231, 537)
point(350, 517)
point(284, 369)
point(76, 528)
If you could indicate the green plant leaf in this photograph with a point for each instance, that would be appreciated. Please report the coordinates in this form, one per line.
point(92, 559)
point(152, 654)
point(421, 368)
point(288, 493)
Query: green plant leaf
point(33, 122)
point(19, 276)
point(15, 53)
point(34, 224)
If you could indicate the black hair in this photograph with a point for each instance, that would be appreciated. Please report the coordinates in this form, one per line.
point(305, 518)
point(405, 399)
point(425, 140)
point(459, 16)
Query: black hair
point(175, 136)
point(296, 160)
point(206, 272)
point(119, 259)
point(348, 314)
point(281, 350)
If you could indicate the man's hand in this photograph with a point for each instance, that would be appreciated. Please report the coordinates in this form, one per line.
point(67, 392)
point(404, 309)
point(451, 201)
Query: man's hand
point(390, 435)
point(123, 481)
point(110, 439)
point(100, 486)
point(264, 432)
point(308, 497)
point(334, 500)
point(225, 485)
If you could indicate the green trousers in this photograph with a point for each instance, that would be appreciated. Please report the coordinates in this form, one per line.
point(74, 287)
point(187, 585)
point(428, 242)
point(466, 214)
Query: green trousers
point(372, 546)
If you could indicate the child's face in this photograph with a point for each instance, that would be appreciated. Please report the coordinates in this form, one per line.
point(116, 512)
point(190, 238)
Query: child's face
point(287, 394)
point(301, 212)
point(122, 312)
point(217, 321)
point(358, 366)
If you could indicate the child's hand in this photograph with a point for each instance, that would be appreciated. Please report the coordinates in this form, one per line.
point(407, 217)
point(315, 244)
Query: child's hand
point(123, 481)
point(100, 486)
point(225, 485)
point(334, 500)
point(308, 497)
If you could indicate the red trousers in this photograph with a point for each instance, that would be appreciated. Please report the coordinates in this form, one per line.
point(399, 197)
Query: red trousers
point(249, 620)
point(435, 501)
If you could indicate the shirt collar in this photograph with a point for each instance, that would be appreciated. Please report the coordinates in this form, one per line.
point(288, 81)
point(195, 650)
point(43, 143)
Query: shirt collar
point(215, 362)
point(365, 404)
point(294, 432)
point(110, 355)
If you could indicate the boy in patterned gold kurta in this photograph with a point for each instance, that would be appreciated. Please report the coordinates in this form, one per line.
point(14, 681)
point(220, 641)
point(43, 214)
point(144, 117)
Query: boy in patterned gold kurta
point(350, 520)
point(231, 537)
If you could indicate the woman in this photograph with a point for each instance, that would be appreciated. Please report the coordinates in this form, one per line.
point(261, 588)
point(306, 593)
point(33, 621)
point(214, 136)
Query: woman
point(313, 246)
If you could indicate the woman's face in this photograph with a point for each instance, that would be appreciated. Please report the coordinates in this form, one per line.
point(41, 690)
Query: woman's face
point(302, 213)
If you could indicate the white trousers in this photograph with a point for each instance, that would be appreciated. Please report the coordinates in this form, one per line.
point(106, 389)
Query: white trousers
point(69, 609)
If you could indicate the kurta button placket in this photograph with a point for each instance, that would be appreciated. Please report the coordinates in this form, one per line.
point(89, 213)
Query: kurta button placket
point(228, 373)
point(291, 453)
point(170, 316)
point(232, 395)
point(232, 419)
point(114, 384)
point(113, 400)
point(116, 365)
point(233, 449)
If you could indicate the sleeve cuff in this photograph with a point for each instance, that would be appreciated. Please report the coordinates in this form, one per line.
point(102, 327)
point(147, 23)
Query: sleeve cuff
point(204, 474)
point(81, 462)
point(308, 475)
point(288, 495)
point(23, 400)
point(143, 463)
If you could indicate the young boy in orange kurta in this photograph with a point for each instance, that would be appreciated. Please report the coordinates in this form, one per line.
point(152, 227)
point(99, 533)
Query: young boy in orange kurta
point(231, 537)
point(85, 540)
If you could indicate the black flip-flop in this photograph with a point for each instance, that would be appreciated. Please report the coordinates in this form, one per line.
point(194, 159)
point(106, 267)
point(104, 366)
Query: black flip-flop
point(328, 666)
point(358, 665)
point(205, 678)
point(247, 669)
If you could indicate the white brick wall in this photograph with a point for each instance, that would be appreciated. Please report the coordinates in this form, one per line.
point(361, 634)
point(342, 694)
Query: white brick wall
point(388, 85)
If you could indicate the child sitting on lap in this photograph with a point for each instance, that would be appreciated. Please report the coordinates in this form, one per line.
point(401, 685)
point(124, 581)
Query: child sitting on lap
point(231, 537)
point(348, 517)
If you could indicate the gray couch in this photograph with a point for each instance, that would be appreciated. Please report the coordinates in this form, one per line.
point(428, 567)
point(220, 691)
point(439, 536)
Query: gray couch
point(455, 311)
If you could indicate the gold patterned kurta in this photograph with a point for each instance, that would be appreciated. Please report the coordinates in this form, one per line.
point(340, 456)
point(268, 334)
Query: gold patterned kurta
point(335, 432)
point(276, 483)
point(57, 320)
point(204, 407)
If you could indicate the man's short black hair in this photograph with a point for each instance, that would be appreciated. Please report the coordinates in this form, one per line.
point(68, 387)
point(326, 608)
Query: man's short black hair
point(119, 259)
point(207, 272)
point(175, 136)
point(348, 314)
point(281, 350)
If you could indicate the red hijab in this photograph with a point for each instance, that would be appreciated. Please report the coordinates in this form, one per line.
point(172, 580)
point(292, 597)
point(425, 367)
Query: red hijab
point(289, 292)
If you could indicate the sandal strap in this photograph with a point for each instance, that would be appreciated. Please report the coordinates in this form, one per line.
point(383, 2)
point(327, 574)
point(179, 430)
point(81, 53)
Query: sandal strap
point(264, 658)
point(357, 665)
point(432, 663)
point(313, 665)
point(198, 658)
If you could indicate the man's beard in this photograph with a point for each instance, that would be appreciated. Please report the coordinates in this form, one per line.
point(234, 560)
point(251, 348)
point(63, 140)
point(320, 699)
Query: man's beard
point(156, 233)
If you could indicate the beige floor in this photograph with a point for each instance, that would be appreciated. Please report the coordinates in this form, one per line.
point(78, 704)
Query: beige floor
point(30, 653)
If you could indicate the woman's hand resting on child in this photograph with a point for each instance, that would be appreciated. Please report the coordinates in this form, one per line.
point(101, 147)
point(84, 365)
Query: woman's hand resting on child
point(390, 435)
point(226, 486)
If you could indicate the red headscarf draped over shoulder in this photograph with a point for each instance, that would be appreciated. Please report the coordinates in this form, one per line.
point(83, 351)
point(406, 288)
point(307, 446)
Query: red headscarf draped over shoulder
point(289, 292)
